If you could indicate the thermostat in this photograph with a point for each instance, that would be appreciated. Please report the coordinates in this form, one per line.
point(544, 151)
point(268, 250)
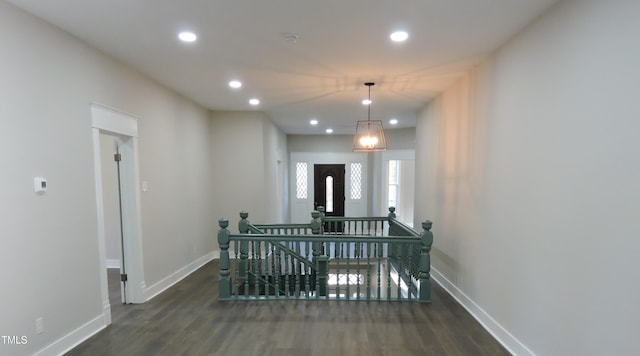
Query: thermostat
point(39, 184)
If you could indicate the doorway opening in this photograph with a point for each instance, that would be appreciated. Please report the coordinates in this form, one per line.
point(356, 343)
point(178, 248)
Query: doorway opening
point(399, 188)
point(118, 205)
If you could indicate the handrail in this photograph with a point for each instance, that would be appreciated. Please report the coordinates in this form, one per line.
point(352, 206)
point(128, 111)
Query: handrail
point(404, 227)
point(362, 218)
point(324, 238)
point(282, 226)
point(245, 226)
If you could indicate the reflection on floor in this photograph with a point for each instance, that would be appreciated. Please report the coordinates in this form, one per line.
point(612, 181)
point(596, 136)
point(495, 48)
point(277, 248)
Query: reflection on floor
point(375, 282)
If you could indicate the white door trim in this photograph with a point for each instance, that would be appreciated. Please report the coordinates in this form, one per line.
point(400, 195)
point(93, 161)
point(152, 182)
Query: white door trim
point(300, 209)
point(107, 120)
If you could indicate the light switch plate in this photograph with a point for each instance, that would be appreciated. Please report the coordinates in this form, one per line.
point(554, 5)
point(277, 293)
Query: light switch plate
point(39, 184)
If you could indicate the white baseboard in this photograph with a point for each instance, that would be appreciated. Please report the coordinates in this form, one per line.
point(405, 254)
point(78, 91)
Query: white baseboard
point(113, 263)
point(178, 275)
point(504, 337)
point(74, 338)
point(106, 312)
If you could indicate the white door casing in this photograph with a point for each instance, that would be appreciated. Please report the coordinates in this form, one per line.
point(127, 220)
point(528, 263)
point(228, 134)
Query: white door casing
point(111, 121)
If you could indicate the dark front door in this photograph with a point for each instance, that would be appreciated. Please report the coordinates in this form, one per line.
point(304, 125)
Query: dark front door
point(329, 189)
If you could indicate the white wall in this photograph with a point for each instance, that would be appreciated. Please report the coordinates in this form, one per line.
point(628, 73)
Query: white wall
point(529, 169)
point(407, 191)
point(246, 148)
point(49, 256)
point(275, 170)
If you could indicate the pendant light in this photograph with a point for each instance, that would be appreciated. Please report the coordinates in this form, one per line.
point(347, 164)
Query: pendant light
point(369, 134)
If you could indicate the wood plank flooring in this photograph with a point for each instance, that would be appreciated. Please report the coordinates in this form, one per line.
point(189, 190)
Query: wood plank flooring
point(187, 319)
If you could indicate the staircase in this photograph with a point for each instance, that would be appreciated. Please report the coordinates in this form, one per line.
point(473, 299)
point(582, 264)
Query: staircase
point(366, 259)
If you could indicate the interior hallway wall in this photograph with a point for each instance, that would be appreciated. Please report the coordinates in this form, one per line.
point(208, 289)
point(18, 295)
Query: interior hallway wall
point(50, 256)
point(529, 169)
point(246, 146)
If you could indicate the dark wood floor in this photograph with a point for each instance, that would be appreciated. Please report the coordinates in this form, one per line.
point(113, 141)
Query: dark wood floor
point(187, 319)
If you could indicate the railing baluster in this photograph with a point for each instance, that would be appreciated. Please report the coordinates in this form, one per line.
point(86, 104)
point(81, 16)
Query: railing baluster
point(317, 265)
point(257, 269)
point(244, 263)
point(307, 275)
point(368, 271)
point(286, 275)
point(379, 271)
point(388, 280)
point(401, 248)
point(338, 256)
point(358, 254)
point(297, 270)
point(236, 271)
point(408, 249)
point(271, 278)
point(348, 270)
point(278, 270)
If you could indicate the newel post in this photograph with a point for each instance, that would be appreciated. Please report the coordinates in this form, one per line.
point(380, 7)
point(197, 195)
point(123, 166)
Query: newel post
point(320, 261)
point(316, 223)
point(392, 212)
point(243, 227)
point(320, 209)
point(425, 262)
point(392, 232)
point(390, 216)
point(224, 290)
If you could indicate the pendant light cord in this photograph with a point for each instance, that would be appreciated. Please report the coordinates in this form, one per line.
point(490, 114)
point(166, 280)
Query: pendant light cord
point(369, 109)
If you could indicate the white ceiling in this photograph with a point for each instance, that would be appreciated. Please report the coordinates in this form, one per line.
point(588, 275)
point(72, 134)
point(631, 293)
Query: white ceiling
point(341, 45)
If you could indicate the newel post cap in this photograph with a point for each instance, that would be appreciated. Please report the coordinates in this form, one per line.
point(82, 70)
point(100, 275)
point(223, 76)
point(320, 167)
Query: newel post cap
point(223, 223)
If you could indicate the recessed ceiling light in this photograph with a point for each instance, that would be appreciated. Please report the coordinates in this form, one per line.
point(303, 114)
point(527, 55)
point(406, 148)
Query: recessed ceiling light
point(399, 36)
point(254, 101)
point(393, 121)
point(235, 84)
point(366, 102)
point(187, 36)
point(313, 122)
point(329, 130)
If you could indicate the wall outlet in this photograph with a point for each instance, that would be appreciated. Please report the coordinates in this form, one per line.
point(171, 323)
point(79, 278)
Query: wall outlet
point(39, 325)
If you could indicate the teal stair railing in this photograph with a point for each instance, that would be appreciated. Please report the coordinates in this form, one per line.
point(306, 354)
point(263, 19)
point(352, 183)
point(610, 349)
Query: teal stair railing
point(336, 258)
